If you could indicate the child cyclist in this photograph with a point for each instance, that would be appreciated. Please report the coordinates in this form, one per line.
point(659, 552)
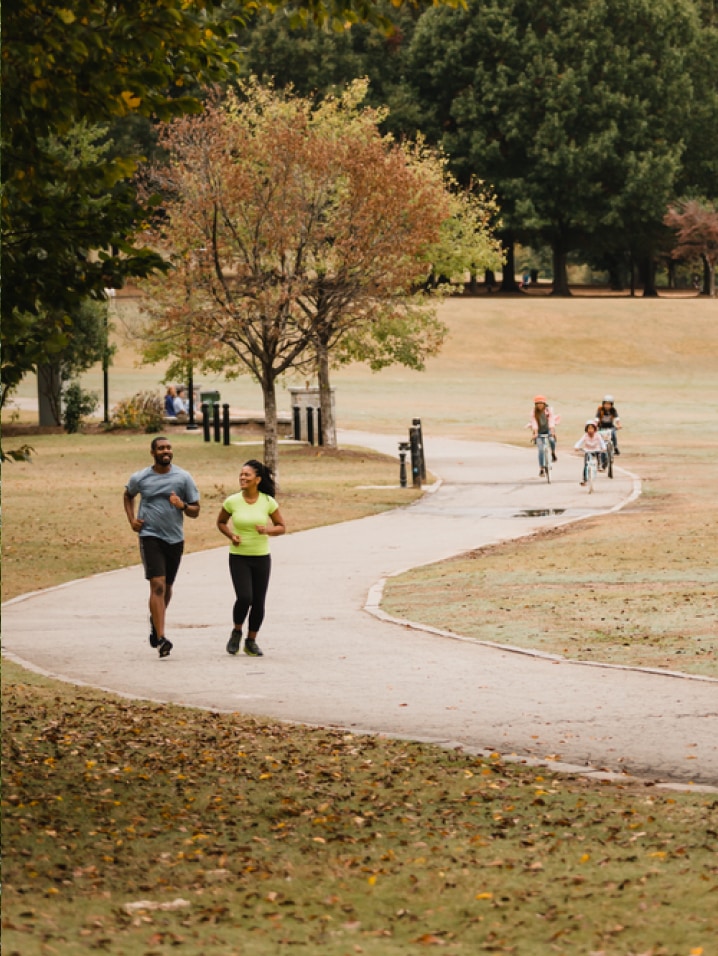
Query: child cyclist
point(607, 417)
point(543, 422)
point(590, 442)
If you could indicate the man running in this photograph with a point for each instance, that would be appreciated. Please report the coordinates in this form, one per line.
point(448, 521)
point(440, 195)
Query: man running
point(167, 493)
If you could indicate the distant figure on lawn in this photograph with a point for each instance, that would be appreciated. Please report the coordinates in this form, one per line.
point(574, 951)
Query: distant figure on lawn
point(180, 402)
point(167, 494)
point(170, 397)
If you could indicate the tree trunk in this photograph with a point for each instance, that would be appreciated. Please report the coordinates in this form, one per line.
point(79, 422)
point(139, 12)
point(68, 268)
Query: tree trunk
point(616, 272)
point(271, 457)
point(709, 277)
point(648, 275)
point(49, 395)
point(508, 280)
point(489, 280)
point(560, 276)
point(329, 430)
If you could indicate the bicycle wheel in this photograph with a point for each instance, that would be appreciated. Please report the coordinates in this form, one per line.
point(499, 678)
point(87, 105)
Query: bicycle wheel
point(591, 471)
point(547, 458)
point(609, 459)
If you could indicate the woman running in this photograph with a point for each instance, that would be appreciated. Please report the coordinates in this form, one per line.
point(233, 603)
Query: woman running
point(248, 518)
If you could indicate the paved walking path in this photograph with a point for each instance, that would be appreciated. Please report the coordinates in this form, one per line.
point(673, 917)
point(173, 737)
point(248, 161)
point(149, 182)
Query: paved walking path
point(329, 662)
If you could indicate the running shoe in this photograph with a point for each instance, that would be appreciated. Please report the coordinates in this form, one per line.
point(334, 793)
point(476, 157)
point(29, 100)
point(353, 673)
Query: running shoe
point(235, 639)
point(251, 648)
point(154, 640)
point(165, 647)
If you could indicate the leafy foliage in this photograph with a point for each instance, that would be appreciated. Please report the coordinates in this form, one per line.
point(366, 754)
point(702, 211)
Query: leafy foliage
point(567, 109)
point(69, 209)
point(22, 453)
point(141, 412)
point(292, 225)
point(695, 223)
point(77, 404)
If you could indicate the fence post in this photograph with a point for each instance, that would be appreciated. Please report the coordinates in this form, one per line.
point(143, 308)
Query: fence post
point(225, 423)
point(204, 407)
point(403, 449)
point(417, 423)
point(415, 456)
point(215, 421)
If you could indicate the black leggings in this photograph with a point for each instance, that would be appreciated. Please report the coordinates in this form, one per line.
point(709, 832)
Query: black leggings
point(250, 577)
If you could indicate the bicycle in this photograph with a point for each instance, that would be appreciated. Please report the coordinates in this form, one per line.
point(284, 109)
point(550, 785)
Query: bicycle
point(545, 454)
point(607, 435)
point(590, 469)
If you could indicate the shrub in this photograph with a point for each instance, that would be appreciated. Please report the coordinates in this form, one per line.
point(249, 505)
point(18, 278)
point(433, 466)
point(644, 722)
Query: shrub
point(77, 404)
point(141, 412)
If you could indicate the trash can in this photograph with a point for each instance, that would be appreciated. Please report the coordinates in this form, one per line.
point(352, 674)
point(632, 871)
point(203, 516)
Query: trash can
point(209, 398)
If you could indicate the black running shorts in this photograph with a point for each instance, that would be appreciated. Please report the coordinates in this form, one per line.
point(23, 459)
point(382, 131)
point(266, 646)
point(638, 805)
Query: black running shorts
point(160, 559)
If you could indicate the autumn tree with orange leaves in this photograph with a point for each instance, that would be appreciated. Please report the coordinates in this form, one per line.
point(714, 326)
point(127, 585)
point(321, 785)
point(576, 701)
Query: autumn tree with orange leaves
point(695, 223)
point(296, 226)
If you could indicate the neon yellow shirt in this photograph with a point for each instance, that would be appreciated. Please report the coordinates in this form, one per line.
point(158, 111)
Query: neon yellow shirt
point(245, 518)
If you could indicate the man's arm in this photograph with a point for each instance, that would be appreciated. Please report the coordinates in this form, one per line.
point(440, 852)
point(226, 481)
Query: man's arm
point(190, 508)
point(129, 503)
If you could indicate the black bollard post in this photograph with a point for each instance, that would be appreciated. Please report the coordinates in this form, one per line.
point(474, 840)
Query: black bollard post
point(310, 424)
point(415, 457)
point(204, 407)
point(403, 449)
point(225, 423)
point(320, 436)
point(215, 421)
point(422, 459)
point(297, 422)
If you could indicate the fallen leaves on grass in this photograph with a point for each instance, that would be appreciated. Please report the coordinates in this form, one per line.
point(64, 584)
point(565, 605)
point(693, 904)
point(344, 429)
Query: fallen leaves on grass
point(311, 837)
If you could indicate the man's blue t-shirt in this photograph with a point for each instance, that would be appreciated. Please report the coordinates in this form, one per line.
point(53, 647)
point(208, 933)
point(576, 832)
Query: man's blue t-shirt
point(161, 519)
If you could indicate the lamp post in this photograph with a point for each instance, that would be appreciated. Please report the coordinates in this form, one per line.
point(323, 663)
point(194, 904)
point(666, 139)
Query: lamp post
point(191, 424)
point(110, 294)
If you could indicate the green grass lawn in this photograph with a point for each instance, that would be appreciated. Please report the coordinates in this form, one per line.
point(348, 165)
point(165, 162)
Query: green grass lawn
point(143, 830)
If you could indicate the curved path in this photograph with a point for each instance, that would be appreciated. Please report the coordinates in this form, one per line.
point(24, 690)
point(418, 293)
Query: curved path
point(329, 662)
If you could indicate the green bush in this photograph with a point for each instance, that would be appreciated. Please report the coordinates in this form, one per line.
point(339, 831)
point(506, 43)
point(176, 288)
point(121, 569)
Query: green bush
point(77, 404)
point(141, 412)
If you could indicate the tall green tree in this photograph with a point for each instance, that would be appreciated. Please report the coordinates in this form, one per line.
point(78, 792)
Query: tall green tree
point(569, 110)
point(69, 209)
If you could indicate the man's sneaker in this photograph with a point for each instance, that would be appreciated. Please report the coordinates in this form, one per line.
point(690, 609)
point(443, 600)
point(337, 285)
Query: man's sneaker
point(154, 640)
point(616, 451)
point(235, 639)
point(165, 647)
point(251, 648)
